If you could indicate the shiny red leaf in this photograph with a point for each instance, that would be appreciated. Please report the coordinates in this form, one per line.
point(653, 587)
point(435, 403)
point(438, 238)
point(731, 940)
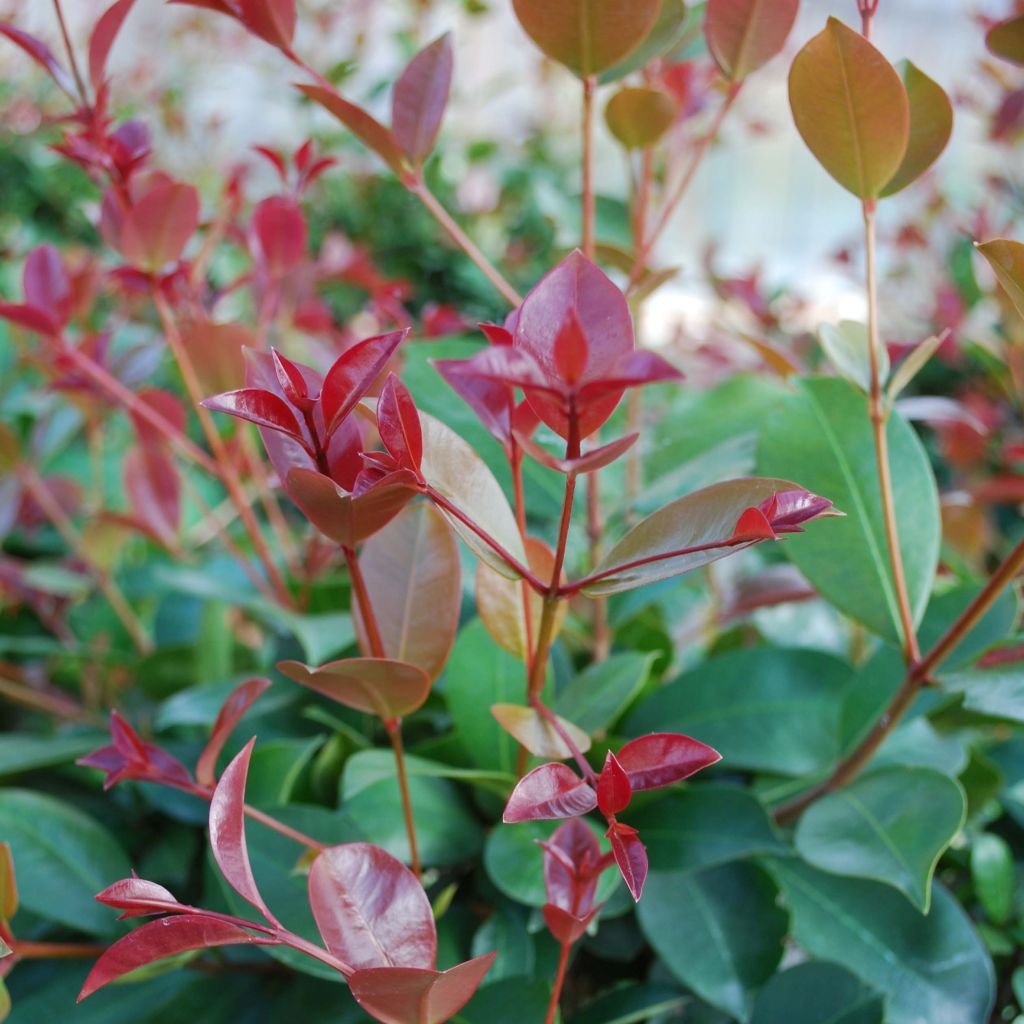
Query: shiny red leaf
point(227, 830)
point(420, 98)
point(753, 525)
point(353, 374)
point(263, 408)
point(370, 909)
point(279, 226)
point(550, 791)
point(613, 787)
point(103, 36)
point(165, 937)
point(230, 714)
point(138, 898)
point(378, 686)
point(571, 351)
point(490, 400)
point(663, 758)
point(630, 856)
point(291, 379)
point(398, 424)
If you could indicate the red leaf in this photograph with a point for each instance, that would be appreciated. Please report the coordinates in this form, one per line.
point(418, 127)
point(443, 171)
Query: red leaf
point(363, 125)
point(491, 401)
point(753, 525)
point(571, 862)
point(791, 508)
point(353, 374)
point(41, 54)
point(378, 686)
point(227, 831)
point(158, 225)
point(103, 36)
point(398, 424)
point(230, 714)
point(153, 485)
point(370, 909)
point(630, 856)
point(744, 34)
point(613, 787)
point(589, 462)
point(633, 370)
point(396, 995)
point(281, 235)
point(276, 159)
point(420, 98)
point(550, 791)
point(165, 937)
point(566, 927)
point(272, 20)
point(46, 284)
point(571, 351)
point(290, 377)
point(137, 898)
point(29, 317)
point(263, 408)
point(663, 758)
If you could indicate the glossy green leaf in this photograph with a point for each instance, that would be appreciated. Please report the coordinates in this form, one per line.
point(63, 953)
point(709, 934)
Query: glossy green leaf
point(631, 1004)
point(931, 967)
point(744, 34)
point(505, 931)
point(1006, 258)
point(823, 433)
point(848, 349)
point(377, 764)
point(587, 36)
point(733, 935)
point(994, 875)
point(817, 993)
point(62, 858)
point(23, 752)
point(703, 826)
point(638, 116)
point(763, 709)
point(995, 691)
point(670, 29)
point(506, 1001)
point(1006, 40)
point(596, 697)
point(851, 109)
point(931, 124)
point(891, 825)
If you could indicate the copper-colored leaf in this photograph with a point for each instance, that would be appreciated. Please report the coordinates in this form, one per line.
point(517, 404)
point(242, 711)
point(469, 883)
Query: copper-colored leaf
point(587, 36)
point(1006, 40)
point(8, 883)
point(640, 115)
point(420, 97)
point(536, 733)
point(413, 575)
point(1006, 258)
point(378, 686)
point(744, 34)
point(851, 109)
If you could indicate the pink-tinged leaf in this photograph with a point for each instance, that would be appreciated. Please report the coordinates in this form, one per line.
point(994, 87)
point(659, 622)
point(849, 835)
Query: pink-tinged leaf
point(512, 367)
point(41, 54)
point(791, 508)
point(587, 36)
point(279, 226)
point(414, 578)
point(167, 405)
point(613, 787)
point(158, 225)
point(663, 758)
point(398, 423)
point(405, 995)
point(630, 856)
point(138, 898)
point(537, 733)
point(103, 37)
point(550, 791)
point(46, 284)
point(589, 462)
point(491, 401)
point(753, 525)
point(291, 379)
point(744, 34)
point(364, 126)
point(572, 866)
point(263, 408)
point(227, 830)
point(1006, 40)
point(272, 20)
point(420, 98)
point(370, 909)
point(565, 926)
point(153, 486)
point(632, 370)
point(354, 373)
point(851, 109)
point(29, 317)
point(165, 937)
point(275, 159)
point(378, 686)
point(230, 714)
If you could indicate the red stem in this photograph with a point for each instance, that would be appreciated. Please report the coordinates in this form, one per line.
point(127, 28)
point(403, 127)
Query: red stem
point(556, 989)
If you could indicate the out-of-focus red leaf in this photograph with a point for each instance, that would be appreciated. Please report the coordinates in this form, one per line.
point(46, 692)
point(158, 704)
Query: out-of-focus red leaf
point(230, 714)
point(414, 578)
point(378, 686)
point(153, 486)
point(29, 317)
point(420, 98)
point(166, 937)
point(364, 126)
point(663, 758)
point(613, 787)
point(272, 20)
point(157, 226)
point(550, 791)
point(370, 909)
point(129, 757)
point(1006, 39)
point(227, 830)
point(354, 373)
point(46, 284)
point(138, 898)
point(279, 226)
point(405, 995)
point(565, 926)
point(41, 54)
point(216, 351)
point(744, 34)
point(103, 36)
point(398, 424)
point(276, 160)
point(632, 370)
point(263, 408)
point(630, 856)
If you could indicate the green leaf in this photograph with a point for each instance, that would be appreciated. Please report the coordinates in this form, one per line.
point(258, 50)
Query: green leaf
point(851, 109)
point(515, 863)
point(277, 767)
point(931, 124)
point(733, 936)
point(594, 699)
point(21, 752)
point(639, 116)
point(703, 826)
point(931, 967)
point(505, 931)
point(763, 709)
point(62, 858)
point(823, 434)
point(990, 691)
point(630, 1004)
point(371, 766)
point(870, 829)
point(848, 348)
point(509, 1001)
point(817, 993)
point(994, 876)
